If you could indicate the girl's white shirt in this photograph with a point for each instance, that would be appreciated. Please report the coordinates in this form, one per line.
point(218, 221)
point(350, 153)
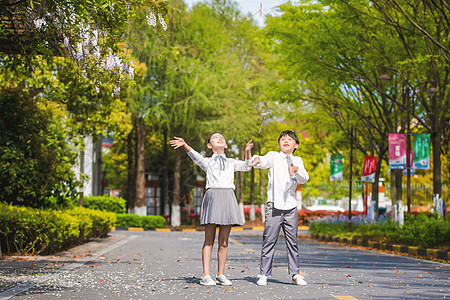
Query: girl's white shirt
point(216, 176)
point(281, 186)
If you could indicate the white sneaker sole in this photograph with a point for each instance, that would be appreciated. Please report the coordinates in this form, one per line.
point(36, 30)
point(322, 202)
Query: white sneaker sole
point(262, 284)
point(299, 283)
point(226, 284)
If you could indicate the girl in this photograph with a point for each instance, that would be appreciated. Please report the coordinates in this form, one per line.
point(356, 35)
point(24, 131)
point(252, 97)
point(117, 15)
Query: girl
point(219, 205)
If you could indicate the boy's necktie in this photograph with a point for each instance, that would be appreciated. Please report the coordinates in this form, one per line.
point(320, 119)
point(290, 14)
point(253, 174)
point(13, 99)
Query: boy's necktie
point(289, 163)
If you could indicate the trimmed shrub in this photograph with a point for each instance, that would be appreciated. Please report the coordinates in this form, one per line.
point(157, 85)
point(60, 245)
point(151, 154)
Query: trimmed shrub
point(153, 221)
point(132, 220)
point(113, 204)
point(102, 222)
point(426, 230)
point(30, 231)
point(128, 220)
point(423, 230)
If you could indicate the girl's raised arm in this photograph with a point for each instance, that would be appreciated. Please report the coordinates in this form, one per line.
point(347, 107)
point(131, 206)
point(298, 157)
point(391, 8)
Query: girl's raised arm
point(178, 142)
point(196, 157)
point(248, 149)
point(244, 166)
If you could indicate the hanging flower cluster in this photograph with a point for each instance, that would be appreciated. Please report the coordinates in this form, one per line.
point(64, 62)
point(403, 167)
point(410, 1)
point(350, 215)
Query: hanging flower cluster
point(151, 19)
point(87, 42)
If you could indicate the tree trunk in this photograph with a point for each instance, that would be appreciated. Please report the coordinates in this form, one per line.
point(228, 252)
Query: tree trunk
point(241, 184)
point(396, 190)
point(436, 144)
point(175, 218)
point(165, 181)
point(252, 194)
point(131, 184)
point(140, 207)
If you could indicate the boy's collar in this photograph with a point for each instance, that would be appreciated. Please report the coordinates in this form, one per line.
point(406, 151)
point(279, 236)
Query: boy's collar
point(287, 154)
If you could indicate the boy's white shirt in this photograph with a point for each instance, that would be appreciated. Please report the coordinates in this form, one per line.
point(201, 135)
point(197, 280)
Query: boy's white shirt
point(281, 186)
point(215, 176)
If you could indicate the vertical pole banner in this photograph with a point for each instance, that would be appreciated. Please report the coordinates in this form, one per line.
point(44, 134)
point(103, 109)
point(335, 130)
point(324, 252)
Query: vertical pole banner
point(370, 166)
point(421, 151)
point(397, 150)
point(336, 169)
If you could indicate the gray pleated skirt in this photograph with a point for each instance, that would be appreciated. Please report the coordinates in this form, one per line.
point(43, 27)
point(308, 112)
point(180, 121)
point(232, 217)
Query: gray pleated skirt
point(220, 207)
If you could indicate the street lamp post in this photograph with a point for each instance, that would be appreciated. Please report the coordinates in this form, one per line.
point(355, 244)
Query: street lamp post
point(351, 177)
point(386, 77)
point(408, 154)
point(431, 91)
point(336, 113)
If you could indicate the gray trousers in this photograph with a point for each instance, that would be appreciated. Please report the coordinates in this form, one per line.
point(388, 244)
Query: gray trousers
point(276, 219)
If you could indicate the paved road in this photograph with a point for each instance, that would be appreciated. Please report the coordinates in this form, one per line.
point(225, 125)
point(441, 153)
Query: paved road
point(167, 265)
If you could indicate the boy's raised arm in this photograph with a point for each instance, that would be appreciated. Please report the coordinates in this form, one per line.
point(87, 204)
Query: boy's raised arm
point(262, 162)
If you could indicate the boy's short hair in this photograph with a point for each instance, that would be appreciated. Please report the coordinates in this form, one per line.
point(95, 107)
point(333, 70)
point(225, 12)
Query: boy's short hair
point(290, 133)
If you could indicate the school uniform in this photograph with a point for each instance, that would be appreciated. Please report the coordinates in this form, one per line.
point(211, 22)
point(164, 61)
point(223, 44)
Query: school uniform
point(281, 209)
point(219, 204)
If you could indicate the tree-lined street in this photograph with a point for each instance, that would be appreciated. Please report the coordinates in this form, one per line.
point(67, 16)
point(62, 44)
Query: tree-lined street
point(91, 92)
point(167, 265)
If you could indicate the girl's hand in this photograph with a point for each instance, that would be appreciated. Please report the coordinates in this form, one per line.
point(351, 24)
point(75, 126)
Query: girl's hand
point(177, 142)
point(255, 161)
point(249, 145)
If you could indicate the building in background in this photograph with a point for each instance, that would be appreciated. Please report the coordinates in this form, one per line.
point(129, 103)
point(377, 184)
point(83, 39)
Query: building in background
point(90, 164)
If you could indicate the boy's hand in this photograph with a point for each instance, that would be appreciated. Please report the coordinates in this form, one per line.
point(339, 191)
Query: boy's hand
point(249, 145)
point(293, 169)
point(255, 161)
point(177, 142)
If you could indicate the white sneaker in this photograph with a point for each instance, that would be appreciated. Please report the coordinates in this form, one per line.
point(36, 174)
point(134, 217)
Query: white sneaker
point(207, 280)
point(298, 280)
point(222, 280)
point(262, 280)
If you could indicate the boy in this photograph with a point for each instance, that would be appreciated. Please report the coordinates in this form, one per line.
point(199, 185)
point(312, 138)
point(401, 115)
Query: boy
point(285, 172)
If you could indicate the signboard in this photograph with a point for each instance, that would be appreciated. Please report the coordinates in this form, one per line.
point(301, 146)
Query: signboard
point(370, 166)
point(397, 150)
point(421, 151)
point(336, 169)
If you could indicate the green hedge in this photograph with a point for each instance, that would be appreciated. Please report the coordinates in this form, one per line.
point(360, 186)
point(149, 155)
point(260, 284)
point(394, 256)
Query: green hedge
point(423, 230)
point(101, 221)
point(131, 220)
point(113, 204)
point(29, 231)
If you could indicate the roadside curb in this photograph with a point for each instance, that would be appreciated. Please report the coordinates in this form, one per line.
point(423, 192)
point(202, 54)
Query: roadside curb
point(404, 249)
point(191, 229)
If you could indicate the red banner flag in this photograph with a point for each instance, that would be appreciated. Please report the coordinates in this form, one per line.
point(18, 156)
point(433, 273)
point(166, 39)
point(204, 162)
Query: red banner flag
point(370, 166)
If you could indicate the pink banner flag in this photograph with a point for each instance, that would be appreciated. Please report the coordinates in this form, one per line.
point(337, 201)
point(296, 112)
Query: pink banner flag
point(397, 150)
